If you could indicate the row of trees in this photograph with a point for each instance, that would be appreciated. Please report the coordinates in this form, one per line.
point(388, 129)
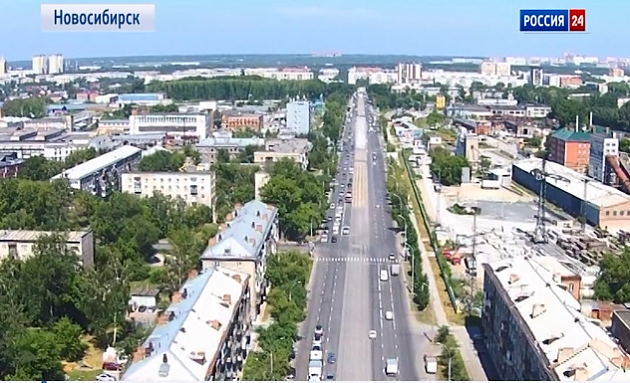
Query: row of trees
point(452, 366)
point(34, 107)
point(398, 196)
point(288, 273)
point(243, 88)
point(447, 167)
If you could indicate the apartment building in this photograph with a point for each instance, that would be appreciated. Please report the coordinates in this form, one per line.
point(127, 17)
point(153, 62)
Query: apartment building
point(295, 149)
point(602, 144)
point(234, 120)
point(373, 75)
point(535, 330)
point(55, 64)
point(4, 67)
point(299, 117)
point(39, 64)
point(570, 148)
point(282, 74)
point(100, 174)
point(21, 244)
point(209, 148)
point(193, 188)
point(249, 235)
point(203, 335)
point(409, 73)
point(10, 165)
point(494, 68)
point(536, 76)
point(180, 125)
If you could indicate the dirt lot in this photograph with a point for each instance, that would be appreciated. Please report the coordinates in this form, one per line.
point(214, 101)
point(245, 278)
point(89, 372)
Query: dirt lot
point(473, 192)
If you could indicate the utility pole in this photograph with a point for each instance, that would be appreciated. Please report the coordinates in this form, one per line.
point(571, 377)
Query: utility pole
point(450, 367)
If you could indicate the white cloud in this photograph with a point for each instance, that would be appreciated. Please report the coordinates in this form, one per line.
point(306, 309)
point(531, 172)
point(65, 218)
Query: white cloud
point(324, 12)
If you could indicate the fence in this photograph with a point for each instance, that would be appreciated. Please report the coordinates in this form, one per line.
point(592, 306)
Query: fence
point(432, 236)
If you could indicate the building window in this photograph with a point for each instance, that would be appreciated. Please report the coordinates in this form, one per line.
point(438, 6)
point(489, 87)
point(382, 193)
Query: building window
point(607, 212)
point(614, 213)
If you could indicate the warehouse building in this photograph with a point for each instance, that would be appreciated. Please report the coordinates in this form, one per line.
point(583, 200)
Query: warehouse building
point(605, 206)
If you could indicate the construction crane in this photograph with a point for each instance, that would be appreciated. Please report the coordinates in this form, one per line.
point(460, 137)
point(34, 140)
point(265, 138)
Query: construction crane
point(540, 232)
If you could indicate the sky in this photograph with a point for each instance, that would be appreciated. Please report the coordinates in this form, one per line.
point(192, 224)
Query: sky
point(415, 27)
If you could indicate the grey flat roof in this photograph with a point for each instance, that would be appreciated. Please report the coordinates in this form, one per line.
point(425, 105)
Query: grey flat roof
point(85, 169)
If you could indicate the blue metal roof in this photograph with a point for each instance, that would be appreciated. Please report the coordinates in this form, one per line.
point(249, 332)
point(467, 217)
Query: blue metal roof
point(57, 107)
point(140, 96)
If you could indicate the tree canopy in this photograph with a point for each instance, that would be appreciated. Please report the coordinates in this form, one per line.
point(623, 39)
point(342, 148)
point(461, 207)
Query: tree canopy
point(52, 306)
point(243, 88)
point(447, 167)
point(33, 107)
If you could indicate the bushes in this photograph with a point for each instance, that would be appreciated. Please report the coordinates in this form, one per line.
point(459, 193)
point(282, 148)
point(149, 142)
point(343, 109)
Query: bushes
point(400, 213)
point(288, 275)
point(452, 365)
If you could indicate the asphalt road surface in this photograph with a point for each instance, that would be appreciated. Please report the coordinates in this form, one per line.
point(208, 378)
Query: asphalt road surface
point(347, 298)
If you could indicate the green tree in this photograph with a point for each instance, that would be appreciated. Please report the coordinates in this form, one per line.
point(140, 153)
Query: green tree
point(170, 108)
point(435, 119)
point(38, 168)
point(447, 167)
point(162, 161)
point(68, 336)
point(34, 107)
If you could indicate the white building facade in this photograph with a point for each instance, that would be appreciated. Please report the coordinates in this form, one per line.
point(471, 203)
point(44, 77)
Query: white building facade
point(299, 117)
point(173, 124)
point(602, 145)
point(192, 188)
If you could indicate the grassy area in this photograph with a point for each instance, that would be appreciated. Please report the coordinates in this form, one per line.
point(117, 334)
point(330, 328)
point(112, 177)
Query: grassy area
point(83, 375)
point(452, 317)
point(424, 233)
point(425, 316)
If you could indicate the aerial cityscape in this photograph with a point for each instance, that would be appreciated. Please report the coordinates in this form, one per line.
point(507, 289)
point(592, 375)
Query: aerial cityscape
point(314, 216)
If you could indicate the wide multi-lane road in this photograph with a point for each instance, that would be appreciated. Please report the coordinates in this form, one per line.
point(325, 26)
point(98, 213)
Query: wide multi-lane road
point(347, 298)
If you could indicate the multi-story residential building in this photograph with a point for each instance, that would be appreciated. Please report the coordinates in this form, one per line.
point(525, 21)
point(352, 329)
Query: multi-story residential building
point(616, 72)
point(203, 335)
point(492, 111)
point(487, 68)
point(570, 148)
point(571, 82)
point(101, 174)
point(250, 234)
point(21, 244)
point(234, 120)
point(39, 64)
point(4, 67)
point(372, 74)
point(55, 64)
point(602, 144)
point(328, 75)
point(193, 188)
point(181, 125)
point(535, 330)
point(299, 117)
point(276, 149)
point(536, 76)
point(10, 165)
point(408, 73)
point(210, 147)
point(284, 74)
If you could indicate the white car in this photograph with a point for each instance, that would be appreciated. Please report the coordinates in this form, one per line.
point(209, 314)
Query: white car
point(332, 205)
point(105, 378)
point(324, 238)
point(389, 315)
point(345, 230)
point(372, 334)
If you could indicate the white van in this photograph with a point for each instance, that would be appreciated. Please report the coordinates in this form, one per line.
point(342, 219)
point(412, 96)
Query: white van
point(384, 275)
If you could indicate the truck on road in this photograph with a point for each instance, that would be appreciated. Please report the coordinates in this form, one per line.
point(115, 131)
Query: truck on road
point(430, 364)
point(395, 269)
point(315, 368)
point(391, 367)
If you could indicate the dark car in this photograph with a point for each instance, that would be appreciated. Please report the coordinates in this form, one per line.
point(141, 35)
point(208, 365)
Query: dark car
point(334, 239)
point(331, 358)
point(330, 377)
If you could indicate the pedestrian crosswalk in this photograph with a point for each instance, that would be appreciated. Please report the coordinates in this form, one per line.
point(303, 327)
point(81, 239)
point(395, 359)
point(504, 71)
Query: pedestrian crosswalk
point(372, 260)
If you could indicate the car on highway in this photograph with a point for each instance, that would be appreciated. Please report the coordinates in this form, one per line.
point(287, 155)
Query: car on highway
point(332, 205)
point(372, 334)
point(345, 230)
point(330, 376)
point(384, 275)
point(319, 330)
point(333, 239)
point(389, 315)
point(324, 238)
point(392, 256)
point(331, 358)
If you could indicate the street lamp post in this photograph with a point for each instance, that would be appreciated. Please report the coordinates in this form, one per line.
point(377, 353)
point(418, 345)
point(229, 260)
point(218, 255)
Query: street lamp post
point(295, 283)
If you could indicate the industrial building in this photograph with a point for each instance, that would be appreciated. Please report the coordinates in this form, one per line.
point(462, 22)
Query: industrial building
point(21, 243)
point(535, 330)
point(192, 188)
point(203, 335)
point(570, 148)
point(603, 206)
point(102, 172)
